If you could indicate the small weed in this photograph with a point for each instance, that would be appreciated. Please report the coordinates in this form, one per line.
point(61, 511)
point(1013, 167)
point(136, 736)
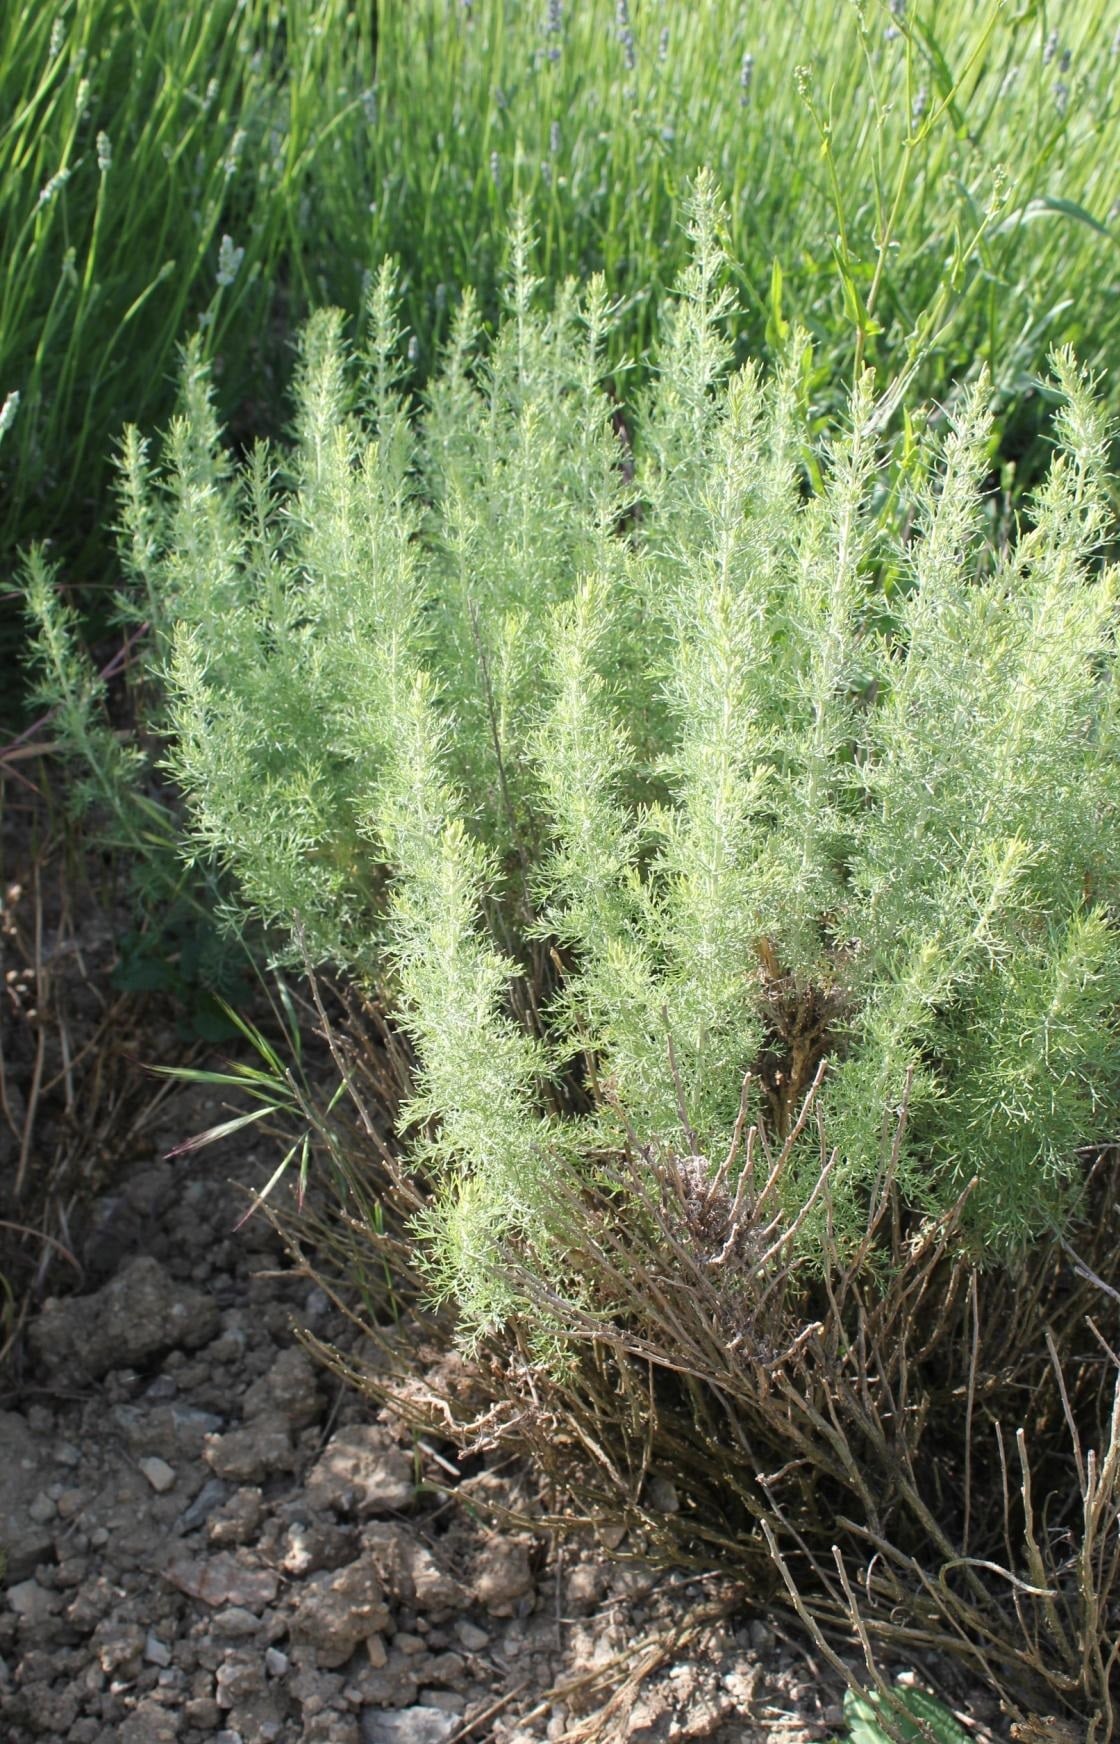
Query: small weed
point(915, 1718)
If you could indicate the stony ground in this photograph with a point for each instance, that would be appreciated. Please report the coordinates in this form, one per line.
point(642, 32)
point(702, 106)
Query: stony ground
point(205, 1536)
point(208, 1538)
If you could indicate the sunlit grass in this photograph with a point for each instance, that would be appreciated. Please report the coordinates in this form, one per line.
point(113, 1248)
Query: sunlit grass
point(907, 182)
point(902, 173)
point(157, 165)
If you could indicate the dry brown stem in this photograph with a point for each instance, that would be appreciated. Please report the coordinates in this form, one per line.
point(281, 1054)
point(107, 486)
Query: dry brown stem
point(916, 1455)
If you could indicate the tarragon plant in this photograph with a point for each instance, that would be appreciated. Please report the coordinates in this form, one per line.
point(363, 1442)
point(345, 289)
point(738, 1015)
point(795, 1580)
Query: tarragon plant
point(639, 763)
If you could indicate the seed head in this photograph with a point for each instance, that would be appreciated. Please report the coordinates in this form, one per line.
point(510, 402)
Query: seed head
point(49, 189)
point(1001, 188)
point(229, 167)
point(104, 152)
point(229, 262)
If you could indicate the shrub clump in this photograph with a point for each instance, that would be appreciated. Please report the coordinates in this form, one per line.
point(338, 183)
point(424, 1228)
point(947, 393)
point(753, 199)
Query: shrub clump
point(646, 755)
point(732, 831)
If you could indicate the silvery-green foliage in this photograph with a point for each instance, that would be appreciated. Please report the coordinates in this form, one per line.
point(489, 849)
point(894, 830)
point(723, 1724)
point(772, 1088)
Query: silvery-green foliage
point(525, 679)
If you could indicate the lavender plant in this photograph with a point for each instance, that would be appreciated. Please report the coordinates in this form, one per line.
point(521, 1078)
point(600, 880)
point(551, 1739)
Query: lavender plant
point(155, 172)
point(607, 760)
point(905, 168)
point(905, 182)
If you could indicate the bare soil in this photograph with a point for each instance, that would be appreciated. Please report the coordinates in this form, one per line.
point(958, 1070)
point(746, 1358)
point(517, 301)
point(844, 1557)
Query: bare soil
point(205, 1535)
point(208, 1538)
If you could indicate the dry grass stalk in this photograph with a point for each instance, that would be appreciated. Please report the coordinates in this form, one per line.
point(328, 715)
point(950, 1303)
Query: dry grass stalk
point(912, 1453)
point(73, 1096)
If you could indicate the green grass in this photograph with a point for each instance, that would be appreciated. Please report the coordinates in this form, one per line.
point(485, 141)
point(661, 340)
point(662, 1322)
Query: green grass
point(895, 174)
point(908, 169)
point(158, 166)
point(898, 179)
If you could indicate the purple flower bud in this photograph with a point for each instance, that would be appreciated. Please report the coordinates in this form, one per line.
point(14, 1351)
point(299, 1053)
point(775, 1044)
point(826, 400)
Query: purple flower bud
point(554, 27)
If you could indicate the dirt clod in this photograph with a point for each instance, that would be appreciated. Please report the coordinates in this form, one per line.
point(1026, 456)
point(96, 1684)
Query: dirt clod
point(138, 1315)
